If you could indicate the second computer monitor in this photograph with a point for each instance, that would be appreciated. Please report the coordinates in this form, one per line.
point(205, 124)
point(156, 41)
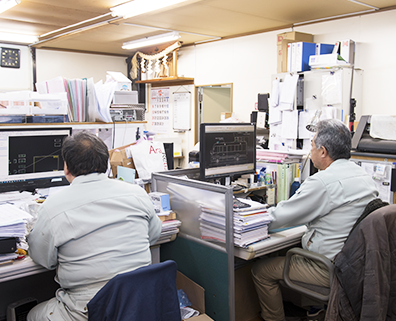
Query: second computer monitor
point(227, 150)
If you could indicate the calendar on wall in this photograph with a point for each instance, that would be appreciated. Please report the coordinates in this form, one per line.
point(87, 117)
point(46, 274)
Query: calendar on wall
point(160, 110)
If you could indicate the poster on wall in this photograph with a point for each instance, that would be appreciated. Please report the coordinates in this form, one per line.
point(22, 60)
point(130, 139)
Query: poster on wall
point(160, 110)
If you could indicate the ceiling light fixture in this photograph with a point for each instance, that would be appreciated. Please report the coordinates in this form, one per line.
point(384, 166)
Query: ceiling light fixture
point(17, 38)
point(138, 7)
point(7, 4)
point(149, 41)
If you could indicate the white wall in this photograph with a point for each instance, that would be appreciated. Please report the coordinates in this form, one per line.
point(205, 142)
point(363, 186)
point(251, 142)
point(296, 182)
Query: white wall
point(248, 62)
point(12, 79)
point(52, 63)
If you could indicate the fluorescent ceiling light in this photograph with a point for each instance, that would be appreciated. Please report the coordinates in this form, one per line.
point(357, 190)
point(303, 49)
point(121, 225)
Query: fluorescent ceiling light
point(138, 7)
point(148, 41)
point(7, 4)
point(17, 38)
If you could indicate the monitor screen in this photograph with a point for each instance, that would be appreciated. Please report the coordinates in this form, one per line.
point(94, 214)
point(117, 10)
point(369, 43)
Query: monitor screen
point(31, 158)
point(227, 149)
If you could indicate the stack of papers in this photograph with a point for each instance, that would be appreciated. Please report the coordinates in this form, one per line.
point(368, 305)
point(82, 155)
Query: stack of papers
point(250, 223)
point(169, 228)
point(12, 224)
point(274, 156)
point(13, 221)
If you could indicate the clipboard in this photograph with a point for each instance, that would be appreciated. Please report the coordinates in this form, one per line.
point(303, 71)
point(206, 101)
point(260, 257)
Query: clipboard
point(181, 110)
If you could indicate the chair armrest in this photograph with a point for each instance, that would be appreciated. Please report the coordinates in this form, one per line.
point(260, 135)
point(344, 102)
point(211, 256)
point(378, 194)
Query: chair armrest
point(312, 256)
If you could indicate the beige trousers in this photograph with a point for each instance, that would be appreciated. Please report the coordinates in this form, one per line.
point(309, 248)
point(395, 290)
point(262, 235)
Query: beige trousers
point(269, 270)
point(68, 305)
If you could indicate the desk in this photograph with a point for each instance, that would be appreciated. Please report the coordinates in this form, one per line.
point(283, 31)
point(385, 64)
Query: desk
point(26, 278)
point(221, 269)
point(276, 242)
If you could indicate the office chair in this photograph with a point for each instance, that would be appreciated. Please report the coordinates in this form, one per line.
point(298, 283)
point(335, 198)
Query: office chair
point(316, 292)
point(148, 293)
point(362, 269)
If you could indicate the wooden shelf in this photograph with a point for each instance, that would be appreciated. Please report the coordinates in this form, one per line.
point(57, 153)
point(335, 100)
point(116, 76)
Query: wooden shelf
point(168, 81)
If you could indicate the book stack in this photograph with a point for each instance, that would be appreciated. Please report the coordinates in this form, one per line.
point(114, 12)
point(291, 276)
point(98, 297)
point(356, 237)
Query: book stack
point(250, 221)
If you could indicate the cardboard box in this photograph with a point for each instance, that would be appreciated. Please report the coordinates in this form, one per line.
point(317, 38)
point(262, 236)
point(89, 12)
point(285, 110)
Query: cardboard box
point(295, 36)
point(225, 115)
point(196, 295)
point(171, 216)
point(120, 157)
point(283, 55)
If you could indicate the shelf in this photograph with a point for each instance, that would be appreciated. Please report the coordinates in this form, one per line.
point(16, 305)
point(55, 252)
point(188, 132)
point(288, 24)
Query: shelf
point(168, 81)
point(69, 123)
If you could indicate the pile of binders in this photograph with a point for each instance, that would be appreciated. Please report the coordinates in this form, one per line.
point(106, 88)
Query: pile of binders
point(250, 223)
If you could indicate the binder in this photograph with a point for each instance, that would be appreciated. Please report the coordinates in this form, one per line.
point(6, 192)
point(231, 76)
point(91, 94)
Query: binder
point(300, 60)
point(323, 48)
point(7, 245)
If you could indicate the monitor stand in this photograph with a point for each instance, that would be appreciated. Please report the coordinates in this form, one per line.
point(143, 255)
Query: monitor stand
point(225, 181)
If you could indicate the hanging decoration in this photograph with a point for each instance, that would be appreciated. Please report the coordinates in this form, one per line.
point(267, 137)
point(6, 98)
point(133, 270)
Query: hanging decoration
point(147, 62)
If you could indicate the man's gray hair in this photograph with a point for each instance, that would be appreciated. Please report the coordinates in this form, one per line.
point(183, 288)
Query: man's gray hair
point(335, 136)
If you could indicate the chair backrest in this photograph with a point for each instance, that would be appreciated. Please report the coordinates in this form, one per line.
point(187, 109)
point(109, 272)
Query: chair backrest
point(320, 293)
point(148, 293)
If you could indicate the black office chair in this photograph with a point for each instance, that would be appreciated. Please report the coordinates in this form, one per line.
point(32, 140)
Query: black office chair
point(316, 292)
point(148, 293)
point(373, 212)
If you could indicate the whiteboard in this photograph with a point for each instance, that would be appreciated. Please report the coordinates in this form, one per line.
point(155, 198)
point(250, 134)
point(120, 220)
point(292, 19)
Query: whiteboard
point(181, 111)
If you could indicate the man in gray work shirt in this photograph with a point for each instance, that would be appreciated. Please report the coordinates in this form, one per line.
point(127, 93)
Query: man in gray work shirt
point(91, 231)
point(329, 203)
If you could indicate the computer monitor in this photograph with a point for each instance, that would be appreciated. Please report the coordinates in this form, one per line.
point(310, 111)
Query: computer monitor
point(227, 150)
point(31, 158)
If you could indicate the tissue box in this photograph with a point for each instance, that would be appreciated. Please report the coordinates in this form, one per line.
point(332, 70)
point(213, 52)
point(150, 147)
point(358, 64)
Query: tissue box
point(160, 201)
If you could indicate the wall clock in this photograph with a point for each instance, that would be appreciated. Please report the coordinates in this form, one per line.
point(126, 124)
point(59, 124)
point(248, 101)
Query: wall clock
point(10, 58)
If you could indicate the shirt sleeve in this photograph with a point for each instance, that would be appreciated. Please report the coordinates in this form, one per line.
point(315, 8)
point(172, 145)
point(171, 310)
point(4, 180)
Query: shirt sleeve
point(310, 202)
point(155, 227)
point(41, 242)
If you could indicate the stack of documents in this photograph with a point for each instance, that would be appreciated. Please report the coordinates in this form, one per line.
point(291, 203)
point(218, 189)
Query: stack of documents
point(13, 221)
point(12, 224)
point(250, 223)
point(274, 156)
point(169, 230)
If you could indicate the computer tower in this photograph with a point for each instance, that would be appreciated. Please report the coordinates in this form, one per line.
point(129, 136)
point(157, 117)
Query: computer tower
point(19, 310)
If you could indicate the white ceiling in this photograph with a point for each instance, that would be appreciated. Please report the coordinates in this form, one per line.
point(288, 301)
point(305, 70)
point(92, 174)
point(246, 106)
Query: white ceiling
point(196, 20)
